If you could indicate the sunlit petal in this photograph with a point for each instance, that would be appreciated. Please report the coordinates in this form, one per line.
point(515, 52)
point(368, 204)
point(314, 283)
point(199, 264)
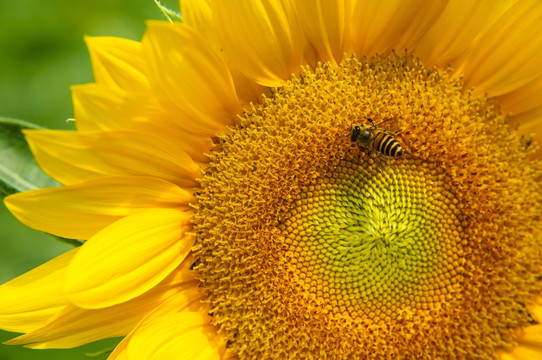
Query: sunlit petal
point(204, 101)
point(118, 63)
point(30, 300)
point(457, 27)
point(379, 26)
point(74, 326)
point(187, 300)
point(93, 205)
point(74, 157)
point(99, 108)
point(327, 25)
point(136, 253)
point(262, 39)
point(489, 66)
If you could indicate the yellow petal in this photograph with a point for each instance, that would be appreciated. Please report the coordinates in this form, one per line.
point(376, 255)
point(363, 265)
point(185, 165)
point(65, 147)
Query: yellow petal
point(117, 63)
point(456, 28)
point(522, 352)
point(427, 12)
point(506, 57)
point(186, 335)
point(198, 15)
point(79, 211)
point(75, 326)
point(186, 300)
point(261, 38)
point(327, 25)
point(530, 125)
point(191, 81)
point(73, 157)
point(179, 329)
point(100, 108)
point(378, 26)
point(531, 335)
point(128, 258)
point(504, 355)
point(536, 312)
point(30, 300)
point(524, 99)
point(63, 156)
point(120, 352)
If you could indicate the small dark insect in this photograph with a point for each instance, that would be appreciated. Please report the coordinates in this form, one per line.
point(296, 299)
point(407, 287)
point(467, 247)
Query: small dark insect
point(378, 143)
point(527, 141)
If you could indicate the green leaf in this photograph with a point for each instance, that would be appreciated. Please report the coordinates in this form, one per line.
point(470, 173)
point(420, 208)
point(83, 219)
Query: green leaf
point(170, 15)
point(18, 170)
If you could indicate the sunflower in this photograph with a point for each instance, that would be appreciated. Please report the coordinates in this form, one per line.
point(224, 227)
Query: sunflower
point(229, 209)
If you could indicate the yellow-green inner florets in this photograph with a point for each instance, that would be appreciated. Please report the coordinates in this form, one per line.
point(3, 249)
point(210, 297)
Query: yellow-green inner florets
point(377, 244)
point(307, 249)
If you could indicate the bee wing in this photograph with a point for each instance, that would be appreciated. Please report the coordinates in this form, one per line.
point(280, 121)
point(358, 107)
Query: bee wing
point(379, 159)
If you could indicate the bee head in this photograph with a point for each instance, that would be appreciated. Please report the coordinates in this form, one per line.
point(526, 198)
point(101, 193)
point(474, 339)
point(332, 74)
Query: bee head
point(354, 134)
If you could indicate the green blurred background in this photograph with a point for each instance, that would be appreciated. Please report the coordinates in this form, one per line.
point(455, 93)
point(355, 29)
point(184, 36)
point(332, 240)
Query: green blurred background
point(42, 53)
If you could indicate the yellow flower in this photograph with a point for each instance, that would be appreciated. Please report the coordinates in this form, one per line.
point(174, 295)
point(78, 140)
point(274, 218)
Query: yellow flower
point(228, 213)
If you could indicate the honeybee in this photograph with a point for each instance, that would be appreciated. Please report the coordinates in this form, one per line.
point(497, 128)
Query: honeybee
point(378, 143)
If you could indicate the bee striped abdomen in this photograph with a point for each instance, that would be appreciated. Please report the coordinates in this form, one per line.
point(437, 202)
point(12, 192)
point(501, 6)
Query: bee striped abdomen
point(387, 145)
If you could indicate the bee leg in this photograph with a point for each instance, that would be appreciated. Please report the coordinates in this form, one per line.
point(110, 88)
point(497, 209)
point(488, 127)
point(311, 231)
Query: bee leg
point(372, 122)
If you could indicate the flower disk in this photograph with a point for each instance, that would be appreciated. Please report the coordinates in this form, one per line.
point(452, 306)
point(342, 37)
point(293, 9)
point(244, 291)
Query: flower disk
point(375, 245)
point(306, 247)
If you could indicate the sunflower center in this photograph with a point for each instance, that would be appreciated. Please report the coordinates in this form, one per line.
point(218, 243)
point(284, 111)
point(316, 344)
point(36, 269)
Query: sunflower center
point(310, 245)
point(375, 244)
